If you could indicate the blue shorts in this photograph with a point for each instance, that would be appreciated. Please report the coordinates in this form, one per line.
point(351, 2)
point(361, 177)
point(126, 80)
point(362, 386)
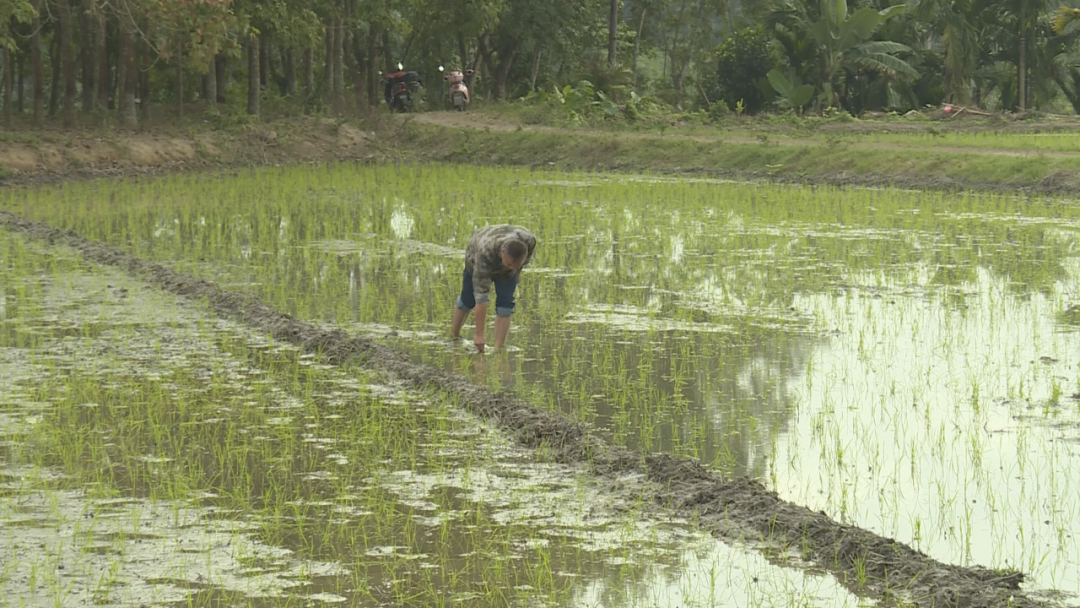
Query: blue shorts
point(504, 294)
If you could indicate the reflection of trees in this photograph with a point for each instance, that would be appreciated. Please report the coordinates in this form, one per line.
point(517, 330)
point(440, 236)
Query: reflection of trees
point(718, 397)
point(691, 252)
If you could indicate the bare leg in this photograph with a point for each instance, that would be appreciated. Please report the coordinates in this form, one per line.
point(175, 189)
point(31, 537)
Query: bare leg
point(502, 328)
point(457, 322)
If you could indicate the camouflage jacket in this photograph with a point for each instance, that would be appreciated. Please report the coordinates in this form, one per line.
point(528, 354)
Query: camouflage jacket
point(483, 256)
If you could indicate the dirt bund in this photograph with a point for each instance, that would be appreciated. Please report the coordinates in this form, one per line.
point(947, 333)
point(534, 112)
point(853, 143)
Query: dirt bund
point(734, 509)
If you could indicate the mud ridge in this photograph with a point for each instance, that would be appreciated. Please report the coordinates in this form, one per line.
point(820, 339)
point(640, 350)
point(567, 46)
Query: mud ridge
point(736, 508)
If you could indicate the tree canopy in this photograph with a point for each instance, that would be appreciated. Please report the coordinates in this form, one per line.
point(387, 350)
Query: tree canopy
point(90, 60)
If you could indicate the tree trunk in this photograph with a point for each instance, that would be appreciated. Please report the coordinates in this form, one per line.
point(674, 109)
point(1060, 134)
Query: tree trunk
point(127, 79)
point(123, 67)
point(9, 83)
point(485, 62)
point(289, 60)
point(253, 76)
point(179, 77)
point(358, 63)
point(67, 59)
point(348, 59)
point(54, 83)
point(1021, 76)
point(308, 70)
point(463, 52)
point(676, 73)
point(343, 42)
point(19, 90)
point(339, 61)
point(408, 48)
point(211, 85)
point(87, 51)
point(637, 43)
point(264, 61)
point(535, 69)
point(221, 71)
point(388, 53)
point(104, 88)
point(502, 72)
point(144, 60)
point(328, 67)
point(35, 60)
point(372, 68)
point(613, 30)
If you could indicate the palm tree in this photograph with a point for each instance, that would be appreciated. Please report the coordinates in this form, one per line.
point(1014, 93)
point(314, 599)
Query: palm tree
point(1064, 54)
point(1025, 14)
point(954, 24)
point(1064, 18)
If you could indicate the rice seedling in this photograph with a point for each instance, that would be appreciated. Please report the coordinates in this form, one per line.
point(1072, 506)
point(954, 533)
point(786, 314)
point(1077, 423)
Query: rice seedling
point(169, 457)
point(896, 359)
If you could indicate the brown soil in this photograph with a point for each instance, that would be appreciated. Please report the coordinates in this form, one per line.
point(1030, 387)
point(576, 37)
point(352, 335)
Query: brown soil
point(735, 509)
point(30, 157)
point(34, 157)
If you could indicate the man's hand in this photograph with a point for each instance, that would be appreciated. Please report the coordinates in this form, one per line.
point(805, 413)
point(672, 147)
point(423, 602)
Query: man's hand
point(480, 313)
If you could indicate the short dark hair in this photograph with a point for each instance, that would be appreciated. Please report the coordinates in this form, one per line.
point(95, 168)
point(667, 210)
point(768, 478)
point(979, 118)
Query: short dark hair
point(515, 249)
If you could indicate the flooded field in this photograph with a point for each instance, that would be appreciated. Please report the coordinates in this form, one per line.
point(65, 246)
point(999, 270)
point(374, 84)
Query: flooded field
point(902, 362)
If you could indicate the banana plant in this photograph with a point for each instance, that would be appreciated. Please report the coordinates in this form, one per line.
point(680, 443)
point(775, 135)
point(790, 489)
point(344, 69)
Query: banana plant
point(844, 42)
point(791, 92)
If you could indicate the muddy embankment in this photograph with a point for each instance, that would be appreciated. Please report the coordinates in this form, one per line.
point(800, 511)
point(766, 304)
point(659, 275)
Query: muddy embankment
point(733, 509)
point(787, 157)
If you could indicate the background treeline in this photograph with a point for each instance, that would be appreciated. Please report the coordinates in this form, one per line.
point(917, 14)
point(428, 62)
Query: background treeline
point(124, 61)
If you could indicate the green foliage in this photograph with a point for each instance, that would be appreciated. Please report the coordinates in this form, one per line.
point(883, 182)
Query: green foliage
point(855, 55)
point(793, 95)
point(743, 60)
point(232, 118)
point(17, 11)
point(841, 44)
point(578, 103)
point(719, 112)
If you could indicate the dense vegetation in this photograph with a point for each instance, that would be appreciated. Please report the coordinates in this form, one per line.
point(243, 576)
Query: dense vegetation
point(98, 61)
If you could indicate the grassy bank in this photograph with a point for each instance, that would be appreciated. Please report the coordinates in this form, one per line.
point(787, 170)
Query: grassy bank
point(1036, 156)
point(853, 154)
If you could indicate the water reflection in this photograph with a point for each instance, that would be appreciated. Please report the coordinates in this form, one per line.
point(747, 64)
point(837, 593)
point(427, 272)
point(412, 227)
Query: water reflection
point(204, 463)
point(678, 315)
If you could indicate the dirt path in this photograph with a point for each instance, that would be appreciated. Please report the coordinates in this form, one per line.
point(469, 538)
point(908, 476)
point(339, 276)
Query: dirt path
point(733, 509)
point(480, 122)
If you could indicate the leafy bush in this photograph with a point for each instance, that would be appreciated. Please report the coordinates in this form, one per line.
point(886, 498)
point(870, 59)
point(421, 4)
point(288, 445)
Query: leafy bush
point(719, 111)
point(582, 101)
point(743, 61)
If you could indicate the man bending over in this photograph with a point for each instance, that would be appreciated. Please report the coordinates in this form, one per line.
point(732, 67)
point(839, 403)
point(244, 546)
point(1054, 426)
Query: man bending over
point(496, 255)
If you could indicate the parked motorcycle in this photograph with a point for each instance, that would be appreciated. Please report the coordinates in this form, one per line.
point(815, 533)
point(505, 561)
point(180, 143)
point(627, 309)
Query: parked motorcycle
point(459, 91)
point(401, 89)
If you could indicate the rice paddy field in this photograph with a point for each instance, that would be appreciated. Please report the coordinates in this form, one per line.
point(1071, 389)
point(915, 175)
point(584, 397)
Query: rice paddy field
point(902, 363)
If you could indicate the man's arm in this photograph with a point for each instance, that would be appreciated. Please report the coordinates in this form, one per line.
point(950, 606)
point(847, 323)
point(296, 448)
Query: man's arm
point(480, 312)
point(482, 293)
